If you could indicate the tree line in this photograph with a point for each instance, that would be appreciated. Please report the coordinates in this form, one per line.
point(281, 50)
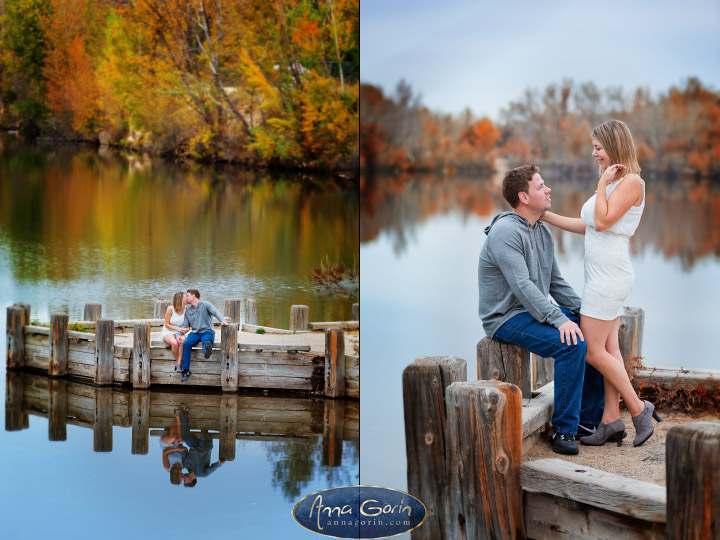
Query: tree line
point(251, 81)
point(677, 131)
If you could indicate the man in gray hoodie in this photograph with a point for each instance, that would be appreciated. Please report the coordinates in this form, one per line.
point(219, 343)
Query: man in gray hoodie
point(199, 316)
point(516, 272)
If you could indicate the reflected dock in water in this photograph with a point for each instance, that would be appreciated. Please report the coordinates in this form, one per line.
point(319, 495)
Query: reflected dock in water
point(226, 417)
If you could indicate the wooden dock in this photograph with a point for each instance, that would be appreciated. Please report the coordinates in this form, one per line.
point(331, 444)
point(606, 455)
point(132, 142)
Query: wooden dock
point(465, 442)
point(227, 417)
point(128, 352)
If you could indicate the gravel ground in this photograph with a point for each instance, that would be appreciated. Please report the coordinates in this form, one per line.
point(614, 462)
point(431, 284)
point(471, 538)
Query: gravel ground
point(646, 462)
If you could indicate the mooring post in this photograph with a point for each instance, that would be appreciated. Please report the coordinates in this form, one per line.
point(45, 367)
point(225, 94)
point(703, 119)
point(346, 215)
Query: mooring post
point(92, 311)
point(15, 330)
point(424, 382)
point(251, 312)
point(356, 312)
point(229, 362)
point(484, 449)
point(333, 426)
point(160, 308)
point(334, 362)
point(299, 317)
point(103, 424)
point(26, 308)
point(59, 345)
point(543, 371)
point(104, 351)
point(228, 427)
point(632, 325)
point(140, 403)
point(692, 461)
point(57, 410)
point(14, 393)
point(232, 310)
point(141, 355)
point(504, 362)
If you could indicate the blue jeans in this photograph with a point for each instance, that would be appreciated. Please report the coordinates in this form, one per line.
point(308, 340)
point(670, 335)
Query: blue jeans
point(579, 387)
point(192, 339)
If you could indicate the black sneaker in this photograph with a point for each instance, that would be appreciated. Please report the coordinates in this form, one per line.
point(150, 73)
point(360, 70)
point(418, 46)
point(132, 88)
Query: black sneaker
point(564, 444)
point(207, 351)
point(186, 374)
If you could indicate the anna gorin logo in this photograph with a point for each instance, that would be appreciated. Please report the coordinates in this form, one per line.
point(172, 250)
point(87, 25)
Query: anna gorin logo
point(360, 512)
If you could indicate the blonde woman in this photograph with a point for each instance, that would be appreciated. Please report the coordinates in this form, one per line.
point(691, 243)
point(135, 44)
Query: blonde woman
point(608, 220)
point(173, 333)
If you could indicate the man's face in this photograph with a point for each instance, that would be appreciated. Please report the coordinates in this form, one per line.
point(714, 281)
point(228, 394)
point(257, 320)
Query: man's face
point(188, 298)
point(538, 195)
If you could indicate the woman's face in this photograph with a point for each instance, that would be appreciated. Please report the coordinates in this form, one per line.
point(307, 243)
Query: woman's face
point(600, 155)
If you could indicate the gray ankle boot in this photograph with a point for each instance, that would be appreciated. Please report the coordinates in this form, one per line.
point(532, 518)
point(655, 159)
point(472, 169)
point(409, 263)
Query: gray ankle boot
point(614, 431)
point(643, 423)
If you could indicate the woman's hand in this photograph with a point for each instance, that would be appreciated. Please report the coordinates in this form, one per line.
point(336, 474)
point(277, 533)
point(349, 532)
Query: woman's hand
point(609, 173)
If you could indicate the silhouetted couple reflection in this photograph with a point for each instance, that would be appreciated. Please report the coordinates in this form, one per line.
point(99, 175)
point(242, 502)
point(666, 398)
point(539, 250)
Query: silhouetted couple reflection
point(184, 450)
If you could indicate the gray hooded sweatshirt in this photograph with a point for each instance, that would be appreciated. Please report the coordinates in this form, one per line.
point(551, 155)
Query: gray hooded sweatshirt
point(517, 271)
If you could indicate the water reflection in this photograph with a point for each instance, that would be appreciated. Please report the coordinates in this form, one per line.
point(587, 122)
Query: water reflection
point(304, 437)
point(681, 219)
point(97, 223)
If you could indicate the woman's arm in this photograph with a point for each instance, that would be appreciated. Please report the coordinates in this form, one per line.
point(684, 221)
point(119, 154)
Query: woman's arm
point(609, 210)
point(565, 223)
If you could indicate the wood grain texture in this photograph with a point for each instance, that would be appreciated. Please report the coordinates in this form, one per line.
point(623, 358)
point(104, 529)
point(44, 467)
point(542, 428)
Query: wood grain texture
point(334, 362)
point(141, 363)
point(14, 400)
point(140, 411)
point(549, 517)
point(160, 307)
point(92, 311)
point(59, 345)
point(299, 317)
point(632, 325)
point(484, 451)
point(104, 351)
point(594, 487)
point(356, 312)
point(228, 427)
point(229, 351)
point(15, 337)
point(251, 312)
point(424, 383)
point(103, 420)
point(674, 377)
point(504, 362)
point(333, 427)
point(536, 415)
point(26, 308)
point(543, 371)
point(345, 325)
point(231, 310)
point(57, 410)
point(692, 457)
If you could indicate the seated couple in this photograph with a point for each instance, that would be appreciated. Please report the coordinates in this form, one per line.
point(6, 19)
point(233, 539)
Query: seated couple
point(188, 311)
point(518, 269)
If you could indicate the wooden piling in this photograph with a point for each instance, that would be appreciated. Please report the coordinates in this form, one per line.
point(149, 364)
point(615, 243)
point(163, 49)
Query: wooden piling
point(14, 392)
point(228, 427)
point(251, 312)
point(424, 383)
point(92, 311)
point(103, 419)
point(504, 362)
point(57, 410)
point(229, 362)
point(59, 345)
point(140, 411)
point(484, 452)
point(543, 371)
point(232, 310)
point(104, 351)
point(26, 309)
point(334, 362)
point(356, 312)
point(333, 426)
point(141, 356)
point(160, 308)
point(692, 458)
point(15, 337)
point(299, 317)
point(632, 324)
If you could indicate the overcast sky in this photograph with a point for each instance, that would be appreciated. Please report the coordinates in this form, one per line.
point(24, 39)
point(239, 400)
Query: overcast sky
point(484, 54)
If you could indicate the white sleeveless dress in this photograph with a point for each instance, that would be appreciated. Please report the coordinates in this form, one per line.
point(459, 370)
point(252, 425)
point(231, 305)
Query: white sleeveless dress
point(176, 319)
point(609, 275)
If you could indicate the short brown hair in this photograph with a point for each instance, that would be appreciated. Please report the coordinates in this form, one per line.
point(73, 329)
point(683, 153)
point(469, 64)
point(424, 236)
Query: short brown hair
point(176, 474)
point(195, 292)
point(517, 180)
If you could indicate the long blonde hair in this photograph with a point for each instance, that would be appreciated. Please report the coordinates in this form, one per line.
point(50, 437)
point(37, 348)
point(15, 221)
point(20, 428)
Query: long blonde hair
point(617, 141)
point(178, 303)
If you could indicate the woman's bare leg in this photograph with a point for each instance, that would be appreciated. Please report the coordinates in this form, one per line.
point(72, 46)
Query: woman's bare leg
point(612, 396)
point(171, 340)
point(596, 334)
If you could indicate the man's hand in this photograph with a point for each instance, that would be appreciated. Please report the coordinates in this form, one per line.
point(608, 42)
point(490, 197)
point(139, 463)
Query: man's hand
point(567, 329)
point(224, 323)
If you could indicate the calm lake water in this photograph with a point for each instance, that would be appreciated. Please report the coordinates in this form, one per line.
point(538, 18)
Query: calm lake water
point(78, 226)
point(421, 238)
